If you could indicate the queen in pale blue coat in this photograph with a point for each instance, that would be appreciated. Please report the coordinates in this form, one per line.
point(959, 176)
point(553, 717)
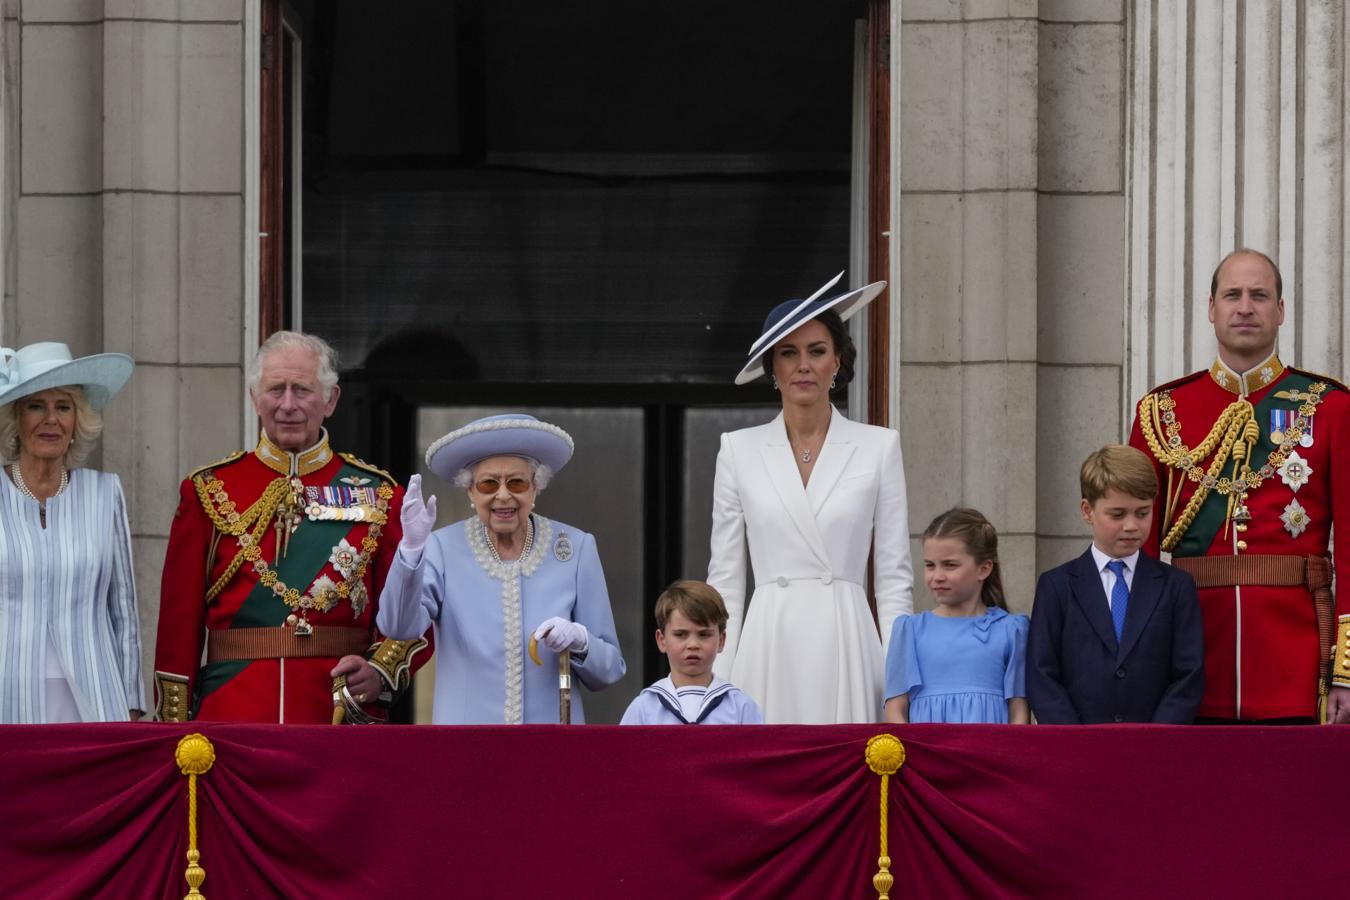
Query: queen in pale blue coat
point(491, 582)
point(69, 634)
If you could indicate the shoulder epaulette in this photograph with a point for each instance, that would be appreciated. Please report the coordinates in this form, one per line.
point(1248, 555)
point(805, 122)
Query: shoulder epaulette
point(1178, 382)
point(1318, 376)
point(362, 464)
point(233, 457)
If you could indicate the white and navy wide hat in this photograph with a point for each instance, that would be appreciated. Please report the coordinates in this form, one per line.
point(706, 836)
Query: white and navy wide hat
point(514, 434)
point(790, 315)
point(48, 364)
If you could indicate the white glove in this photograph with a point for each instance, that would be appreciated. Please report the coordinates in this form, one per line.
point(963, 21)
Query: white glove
point(563, 636)
point(418, 519)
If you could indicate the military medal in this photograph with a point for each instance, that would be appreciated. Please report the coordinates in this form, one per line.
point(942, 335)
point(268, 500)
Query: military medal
point(342, 504)
point(1294, 471)
point(1307, 439)
point(1280, 420)
point(1295, 518)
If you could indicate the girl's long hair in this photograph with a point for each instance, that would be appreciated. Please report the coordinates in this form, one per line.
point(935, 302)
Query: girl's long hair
point(973, 530)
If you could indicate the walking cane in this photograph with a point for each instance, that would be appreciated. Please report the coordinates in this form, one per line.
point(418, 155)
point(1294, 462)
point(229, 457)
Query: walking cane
point(564, 680)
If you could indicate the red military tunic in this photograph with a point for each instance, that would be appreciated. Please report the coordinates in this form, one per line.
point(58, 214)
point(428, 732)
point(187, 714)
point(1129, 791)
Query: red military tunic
point(1262, 654)
point(216, 589)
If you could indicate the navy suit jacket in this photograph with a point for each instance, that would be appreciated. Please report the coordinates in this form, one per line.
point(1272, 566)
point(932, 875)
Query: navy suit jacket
point(1078, 673)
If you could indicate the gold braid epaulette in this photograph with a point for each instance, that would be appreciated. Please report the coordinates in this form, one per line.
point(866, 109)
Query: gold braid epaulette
point(362, 464)
point(1235, 433)
point(233, 457)
point(227, 520)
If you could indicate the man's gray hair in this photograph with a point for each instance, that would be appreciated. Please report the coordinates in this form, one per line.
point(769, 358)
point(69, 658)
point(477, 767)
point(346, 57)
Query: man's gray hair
point(326, 355)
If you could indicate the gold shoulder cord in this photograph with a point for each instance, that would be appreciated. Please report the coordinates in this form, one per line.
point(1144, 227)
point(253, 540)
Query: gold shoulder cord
point(1231, 424)
point(1235, 434)
point(210, 491)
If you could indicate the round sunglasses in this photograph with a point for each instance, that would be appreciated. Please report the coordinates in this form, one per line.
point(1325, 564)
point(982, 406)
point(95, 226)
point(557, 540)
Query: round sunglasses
point(516, 485)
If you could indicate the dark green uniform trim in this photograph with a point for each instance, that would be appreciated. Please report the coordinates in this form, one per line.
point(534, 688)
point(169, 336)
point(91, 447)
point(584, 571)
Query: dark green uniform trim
point(1213, 513)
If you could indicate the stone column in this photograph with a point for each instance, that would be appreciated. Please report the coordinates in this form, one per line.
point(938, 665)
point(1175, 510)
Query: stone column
point(129, 233)
point(1237, 117)
point(968, 285)
point(1080, 259)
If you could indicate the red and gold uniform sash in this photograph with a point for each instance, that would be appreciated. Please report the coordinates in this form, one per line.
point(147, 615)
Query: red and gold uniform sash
point(273, 568)
point(1249, 494)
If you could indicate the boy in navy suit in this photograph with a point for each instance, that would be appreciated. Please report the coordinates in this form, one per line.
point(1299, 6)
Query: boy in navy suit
point(1116, 634)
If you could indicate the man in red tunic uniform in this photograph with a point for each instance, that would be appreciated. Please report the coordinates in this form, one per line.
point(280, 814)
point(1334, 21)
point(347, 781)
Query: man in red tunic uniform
point(1248, 453)
point(275, 563)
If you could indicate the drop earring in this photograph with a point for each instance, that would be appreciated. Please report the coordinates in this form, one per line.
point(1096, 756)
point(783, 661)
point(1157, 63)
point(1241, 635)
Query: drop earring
point(774, 380)
point(833, 380)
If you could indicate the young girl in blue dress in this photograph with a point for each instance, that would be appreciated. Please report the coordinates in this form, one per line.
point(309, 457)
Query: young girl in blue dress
point(964, 661)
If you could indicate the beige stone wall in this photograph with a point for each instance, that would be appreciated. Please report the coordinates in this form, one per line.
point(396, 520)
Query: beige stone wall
point(123, 200)
point(1237, 137)
point(1013, 250)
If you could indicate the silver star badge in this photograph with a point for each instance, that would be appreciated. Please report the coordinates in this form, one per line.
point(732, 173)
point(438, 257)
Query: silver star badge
point(1295, 518)
point(1295, 471)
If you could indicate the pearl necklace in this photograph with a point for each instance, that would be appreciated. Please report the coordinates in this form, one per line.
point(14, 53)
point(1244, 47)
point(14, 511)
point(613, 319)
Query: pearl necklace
point(23, 487)
point(529, 541)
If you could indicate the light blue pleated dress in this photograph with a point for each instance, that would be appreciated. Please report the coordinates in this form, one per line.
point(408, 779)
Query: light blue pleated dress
point(958, 670)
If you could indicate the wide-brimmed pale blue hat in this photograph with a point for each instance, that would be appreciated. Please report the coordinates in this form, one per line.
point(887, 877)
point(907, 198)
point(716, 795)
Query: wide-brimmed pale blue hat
point(790, 315)
point(513, 434)
point(48, 364)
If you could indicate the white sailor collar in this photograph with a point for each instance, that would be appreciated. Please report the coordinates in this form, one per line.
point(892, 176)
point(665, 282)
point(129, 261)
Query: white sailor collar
point(668, 694)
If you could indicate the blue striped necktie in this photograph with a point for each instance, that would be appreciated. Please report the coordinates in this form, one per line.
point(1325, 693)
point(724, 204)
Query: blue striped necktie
point(1120, 596)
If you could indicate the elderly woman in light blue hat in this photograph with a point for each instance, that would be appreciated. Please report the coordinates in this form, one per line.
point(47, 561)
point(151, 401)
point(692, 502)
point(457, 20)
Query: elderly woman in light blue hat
point(69, 634)
point(490, 583)
point(813, 494)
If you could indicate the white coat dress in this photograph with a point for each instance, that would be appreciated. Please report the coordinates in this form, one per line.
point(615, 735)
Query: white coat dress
point(809, 650)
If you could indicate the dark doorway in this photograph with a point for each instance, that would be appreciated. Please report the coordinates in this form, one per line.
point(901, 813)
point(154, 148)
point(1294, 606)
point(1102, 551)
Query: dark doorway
point(514, 205)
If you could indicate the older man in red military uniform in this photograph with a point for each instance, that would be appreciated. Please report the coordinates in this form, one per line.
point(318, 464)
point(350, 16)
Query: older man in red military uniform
point(275, 563)
point(1248, 452)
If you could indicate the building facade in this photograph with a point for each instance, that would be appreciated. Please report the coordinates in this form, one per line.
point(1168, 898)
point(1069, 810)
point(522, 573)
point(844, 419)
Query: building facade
point(1059, 178)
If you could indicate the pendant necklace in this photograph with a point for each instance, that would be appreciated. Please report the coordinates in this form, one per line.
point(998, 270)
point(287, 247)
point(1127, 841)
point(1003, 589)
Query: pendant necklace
point(806, 454)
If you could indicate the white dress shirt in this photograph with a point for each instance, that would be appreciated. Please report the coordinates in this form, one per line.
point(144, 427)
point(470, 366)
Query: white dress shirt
point(1108, 577)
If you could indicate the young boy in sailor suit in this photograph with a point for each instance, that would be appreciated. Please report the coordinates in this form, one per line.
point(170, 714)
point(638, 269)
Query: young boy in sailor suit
point(691, 629)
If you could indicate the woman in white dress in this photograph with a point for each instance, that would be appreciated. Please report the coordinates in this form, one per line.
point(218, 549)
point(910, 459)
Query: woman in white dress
point(70, 643)
point(813, 494)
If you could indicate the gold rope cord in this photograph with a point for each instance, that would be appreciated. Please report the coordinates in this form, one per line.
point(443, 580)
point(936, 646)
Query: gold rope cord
point(1239, 432)
point(884, 755)
point(195, 755)
point(259, 515)
point(1237, 421)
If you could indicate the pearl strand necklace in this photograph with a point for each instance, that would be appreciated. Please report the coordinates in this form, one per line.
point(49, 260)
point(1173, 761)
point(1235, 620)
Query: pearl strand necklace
point(23, 487)
point(525, 551)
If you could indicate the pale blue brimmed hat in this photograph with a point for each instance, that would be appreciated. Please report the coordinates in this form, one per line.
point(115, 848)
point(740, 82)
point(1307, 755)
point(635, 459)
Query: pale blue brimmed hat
point(790, 315)
point(513, 434)
point(48, 364)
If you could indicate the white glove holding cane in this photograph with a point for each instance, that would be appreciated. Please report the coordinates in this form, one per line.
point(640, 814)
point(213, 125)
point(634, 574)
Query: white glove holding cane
point(563, 636)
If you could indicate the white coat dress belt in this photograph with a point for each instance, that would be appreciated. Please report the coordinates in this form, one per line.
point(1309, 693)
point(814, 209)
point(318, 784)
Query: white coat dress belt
point(826, 578)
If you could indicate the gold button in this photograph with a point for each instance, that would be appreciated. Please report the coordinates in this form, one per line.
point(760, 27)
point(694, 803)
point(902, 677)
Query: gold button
point(1241, 527)
point(1242, 545)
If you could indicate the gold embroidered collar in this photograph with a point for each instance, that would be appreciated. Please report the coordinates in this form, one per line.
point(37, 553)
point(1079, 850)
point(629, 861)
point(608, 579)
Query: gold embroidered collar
point(287, 463)
point(1258, 376)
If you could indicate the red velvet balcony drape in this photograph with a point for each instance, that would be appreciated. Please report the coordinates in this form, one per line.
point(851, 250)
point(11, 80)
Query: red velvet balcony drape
point(987, 811)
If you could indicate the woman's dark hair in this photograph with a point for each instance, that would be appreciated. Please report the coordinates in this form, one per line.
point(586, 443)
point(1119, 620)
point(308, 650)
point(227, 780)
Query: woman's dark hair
point(971, 528)
point(843, 345)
